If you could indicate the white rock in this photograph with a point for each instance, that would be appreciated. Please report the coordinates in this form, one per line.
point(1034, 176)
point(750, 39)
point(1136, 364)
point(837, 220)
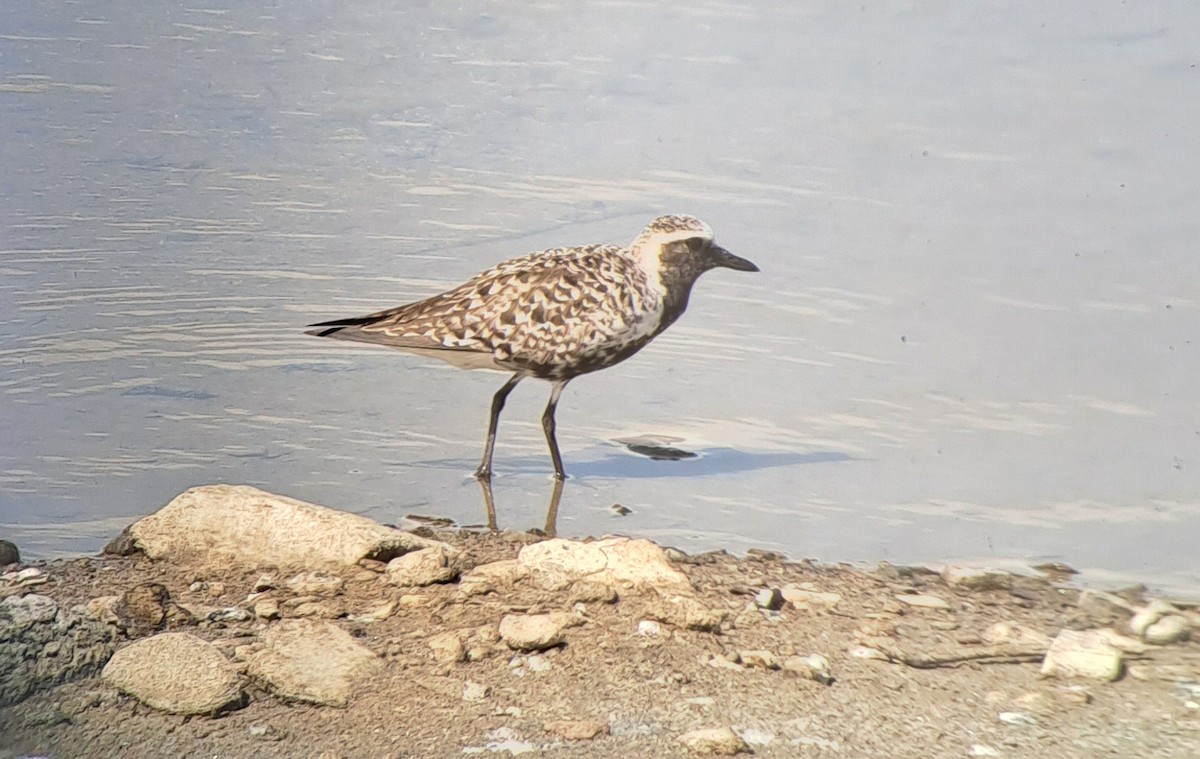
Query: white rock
point(923, 601)
point(979, 749)
point(649, 627)
point(1082, 654)
point(1017, 718)
point(175, 672)
point(716, 741)
point(427, 566)
point(310, 660)
point(218, 525)
point(1148, 615)
point(1169, 629)
point(617, 562)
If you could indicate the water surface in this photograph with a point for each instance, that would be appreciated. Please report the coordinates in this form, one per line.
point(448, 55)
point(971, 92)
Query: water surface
point(973, 338)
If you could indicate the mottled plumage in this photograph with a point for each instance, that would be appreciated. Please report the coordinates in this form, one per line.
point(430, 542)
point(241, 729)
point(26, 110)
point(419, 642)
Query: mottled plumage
point(555, 314)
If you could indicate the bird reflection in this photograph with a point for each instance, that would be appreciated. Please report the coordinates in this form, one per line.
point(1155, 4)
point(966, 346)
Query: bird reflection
point(489, 503)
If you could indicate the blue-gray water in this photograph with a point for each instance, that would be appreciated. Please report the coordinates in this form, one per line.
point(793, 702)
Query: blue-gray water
point(973, 337)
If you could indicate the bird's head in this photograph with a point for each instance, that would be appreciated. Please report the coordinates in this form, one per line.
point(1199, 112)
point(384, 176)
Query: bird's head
point(681, 247)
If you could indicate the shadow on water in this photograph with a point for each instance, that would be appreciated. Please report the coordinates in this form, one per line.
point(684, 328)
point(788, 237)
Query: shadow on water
point(709, 462)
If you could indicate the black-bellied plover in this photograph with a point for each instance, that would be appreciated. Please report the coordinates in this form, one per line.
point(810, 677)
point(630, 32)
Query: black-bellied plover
point(555, 314)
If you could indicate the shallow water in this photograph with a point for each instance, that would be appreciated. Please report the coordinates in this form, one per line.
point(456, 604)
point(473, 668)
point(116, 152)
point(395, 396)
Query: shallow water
point(973, 337)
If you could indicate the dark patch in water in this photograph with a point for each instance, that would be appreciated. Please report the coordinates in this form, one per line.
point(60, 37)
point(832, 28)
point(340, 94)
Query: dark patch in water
point(159, 391)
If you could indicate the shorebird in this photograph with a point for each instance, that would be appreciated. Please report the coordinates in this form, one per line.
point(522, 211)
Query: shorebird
point(554, 314)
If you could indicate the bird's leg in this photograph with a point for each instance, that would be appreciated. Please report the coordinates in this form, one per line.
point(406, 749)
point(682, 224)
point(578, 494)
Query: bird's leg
point(548, 427)
point(484, 472)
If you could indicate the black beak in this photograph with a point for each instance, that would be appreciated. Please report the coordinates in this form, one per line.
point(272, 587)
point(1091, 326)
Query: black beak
point(718, 256)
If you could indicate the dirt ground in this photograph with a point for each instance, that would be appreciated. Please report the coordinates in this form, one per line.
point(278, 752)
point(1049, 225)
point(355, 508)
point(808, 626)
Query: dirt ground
point(639, 685)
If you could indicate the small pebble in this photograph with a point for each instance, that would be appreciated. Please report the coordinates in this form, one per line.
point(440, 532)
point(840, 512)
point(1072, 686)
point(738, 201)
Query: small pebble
point(769, 598)
point(649, 627)
point(1017, 718)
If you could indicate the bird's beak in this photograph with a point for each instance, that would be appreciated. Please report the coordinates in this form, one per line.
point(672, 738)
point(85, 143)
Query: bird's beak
point(718, 256)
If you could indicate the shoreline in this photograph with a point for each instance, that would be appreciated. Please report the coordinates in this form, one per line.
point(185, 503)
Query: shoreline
point(368, 641)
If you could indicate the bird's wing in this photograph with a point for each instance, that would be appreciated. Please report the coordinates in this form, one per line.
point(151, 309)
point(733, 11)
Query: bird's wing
point(519, 305)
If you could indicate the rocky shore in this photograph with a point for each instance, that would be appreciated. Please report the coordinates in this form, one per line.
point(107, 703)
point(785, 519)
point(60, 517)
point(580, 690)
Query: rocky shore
point(234, 622)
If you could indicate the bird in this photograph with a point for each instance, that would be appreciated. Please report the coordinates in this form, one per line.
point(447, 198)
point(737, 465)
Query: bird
point(553, 315)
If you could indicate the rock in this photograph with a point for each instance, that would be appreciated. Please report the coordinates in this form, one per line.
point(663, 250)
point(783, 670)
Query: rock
point(218, 525)
point(536, 632)
point(103, 609)
point(1122, 643)
point(1148, 615)
point(687, 612)
point(538, 663)
point(1075, 695)
point(228, 615)
point(376, 613)
point(448, 647)
point(617, 562)
point(576, 729)
point(175, 672)
point(770, 599)
point(268, 608)
point(143, 609)
point(1172, 628)
point(475, 691)
point(1016, 718)
point(760, 659)
point(263, 584)
point(801, 597)
point(42, 644)
point(492, 578)
point(264, 731)
point(976, 578)
point(310, 660)
point(9, 553)
point(424, 567)
point(1160, 623)
point(980, 749)
point(922, 601)
point(811, 667)
point(649, 628)
point(1082, 654)
point(715, 741)
point(319, 584)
